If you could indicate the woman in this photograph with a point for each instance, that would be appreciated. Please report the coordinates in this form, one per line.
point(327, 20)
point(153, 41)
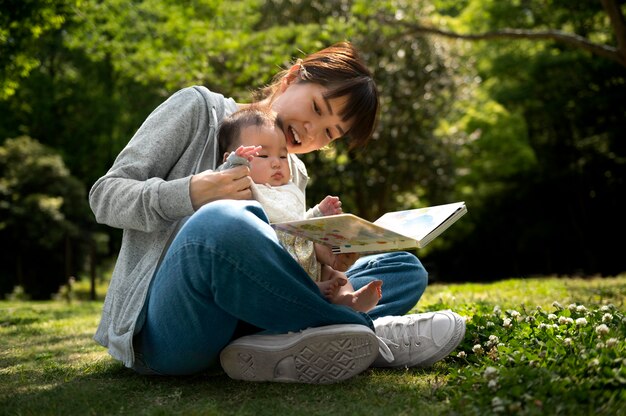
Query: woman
point(200, 267)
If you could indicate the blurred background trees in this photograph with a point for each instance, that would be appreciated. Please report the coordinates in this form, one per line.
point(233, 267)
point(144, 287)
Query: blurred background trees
point(528, 131)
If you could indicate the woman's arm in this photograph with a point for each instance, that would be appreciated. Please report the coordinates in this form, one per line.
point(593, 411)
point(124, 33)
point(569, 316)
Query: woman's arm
point(139, 192)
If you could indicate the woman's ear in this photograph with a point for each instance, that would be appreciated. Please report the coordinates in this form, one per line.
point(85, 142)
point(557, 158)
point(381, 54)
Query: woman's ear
point(292, 75)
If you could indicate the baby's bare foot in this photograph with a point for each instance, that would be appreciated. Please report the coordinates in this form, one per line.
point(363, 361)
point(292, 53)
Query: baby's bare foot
point(364, 299)
point(330, 288)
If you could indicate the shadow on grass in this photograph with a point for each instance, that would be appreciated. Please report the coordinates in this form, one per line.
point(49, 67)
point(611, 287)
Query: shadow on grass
point(109, 388)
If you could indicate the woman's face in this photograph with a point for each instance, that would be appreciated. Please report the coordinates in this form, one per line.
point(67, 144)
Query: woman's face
point(309, 121)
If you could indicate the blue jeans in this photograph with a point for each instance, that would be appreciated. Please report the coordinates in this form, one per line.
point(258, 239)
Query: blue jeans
point(226, 270)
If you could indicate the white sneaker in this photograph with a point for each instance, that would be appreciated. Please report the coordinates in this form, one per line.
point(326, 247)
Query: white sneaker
point(320, 355)
point(419, 340)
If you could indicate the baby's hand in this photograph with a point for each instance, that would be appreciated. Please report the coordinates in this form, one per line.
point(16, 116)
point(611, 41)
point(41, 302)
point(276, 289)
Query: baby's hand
point(330, 205)
point(249, 152)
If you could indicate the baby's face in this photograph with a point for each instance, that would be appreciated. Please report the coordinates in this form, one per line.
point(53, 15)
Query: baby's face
point(271, 166)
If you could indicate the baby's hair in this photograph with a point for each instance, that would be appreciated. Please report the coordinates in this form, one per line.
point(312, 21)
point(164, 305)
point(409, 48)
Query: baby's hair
point(229, 134)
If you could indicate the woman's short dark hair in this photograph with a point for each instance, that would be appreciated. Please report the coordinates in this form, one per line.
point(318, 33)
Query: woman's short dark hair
point(342, 71)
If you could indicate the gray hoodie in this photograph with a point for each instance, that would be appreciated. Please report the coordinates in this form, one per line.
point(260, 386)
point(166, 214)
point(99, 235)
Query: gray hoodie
point(146, 193)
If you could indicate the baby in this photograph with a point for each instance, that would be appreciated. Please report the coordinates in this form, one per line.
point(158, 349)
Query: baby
point(253, 136)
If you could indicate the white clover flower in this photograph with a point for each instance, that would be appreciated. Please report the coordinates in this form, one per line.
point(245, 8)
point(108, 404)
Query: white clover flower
point(557, 305)
point(514, 313)
point(497, 404)
point(581, 321)
point(539, 308)
point(563, 320)
point(507, 323)
point(611, 342)
point(494, 339)
point(605, 308)
point(544, 326)
point(602, 329)
point(571, 306)
point(530, 319)
point(477, 349)
point(607, 317)
point(552, 316)
point(567, 341)
point(581, 308)
point(600, 345)
point(493, 384)
point(594, 363)
point(490, 373)
point(461, 354)
point(490, 324)
point(497, 310)
point(555, 326)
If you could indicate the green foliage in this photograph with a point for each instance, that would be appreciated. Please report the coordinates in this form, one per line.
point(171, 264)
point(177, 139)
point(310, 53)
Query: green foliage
point(18, 294)
point(42, 208)
point(23, 23)
point(539, 172)
point(514, 128)
point(543, 362)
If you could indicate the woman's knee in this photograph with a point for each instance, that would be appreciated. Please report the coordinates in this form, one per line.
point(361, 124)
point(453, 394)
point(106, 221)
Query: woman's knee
point(228, 224)
point(222, 217)
point(418, 270)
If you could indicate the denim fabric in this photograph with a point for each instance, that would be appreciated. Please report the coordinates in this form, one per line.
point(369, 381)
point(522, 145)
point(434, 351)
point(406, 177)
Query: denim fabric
point(225, 274)
point(225, 266)
point(404, 281)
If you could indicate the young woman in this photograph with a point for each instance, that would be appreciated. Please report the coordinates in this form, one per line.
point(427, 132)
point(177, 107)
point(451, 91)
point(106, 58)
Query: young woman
point(182, 293)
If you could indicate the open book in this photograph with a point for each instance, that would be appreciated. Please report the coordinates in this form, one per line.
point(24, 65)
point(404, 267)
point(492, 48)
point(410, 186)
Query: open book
point(399, 230)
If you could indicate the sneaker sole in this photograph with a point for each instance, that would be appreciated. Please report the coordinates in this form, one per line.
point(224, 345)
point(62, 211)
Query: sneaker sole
point(322, 355)
point(455, 340)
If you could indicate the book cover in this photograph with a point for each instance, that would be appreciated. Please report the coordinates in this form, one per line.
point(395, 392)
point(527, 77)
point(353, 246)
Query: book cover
point(399, 230)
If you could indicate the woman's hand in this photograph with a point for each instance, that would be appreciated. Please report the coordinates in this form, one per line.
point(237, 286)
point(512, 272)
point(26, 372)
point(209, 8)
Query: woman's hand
point(211, 186)
point(340, 262)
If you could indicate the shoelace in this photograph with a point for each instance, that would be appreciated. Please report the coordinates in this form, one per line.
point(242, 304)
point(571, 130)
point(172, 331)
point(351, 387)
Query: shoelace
point(394, 332)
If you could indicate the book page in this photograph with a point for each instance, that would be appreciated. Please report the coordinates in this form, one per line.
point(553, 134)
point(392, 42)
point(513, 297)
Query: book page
point(418, 223)
point(347, 233)
point(343, 230)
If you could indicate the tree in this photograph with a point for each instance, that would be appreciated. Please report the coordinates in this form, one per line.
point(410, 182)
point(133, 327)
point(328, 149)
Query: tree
point(532, 12)
point(491, 122)
point(540, 207)
point(43, 219)
point(22, 24)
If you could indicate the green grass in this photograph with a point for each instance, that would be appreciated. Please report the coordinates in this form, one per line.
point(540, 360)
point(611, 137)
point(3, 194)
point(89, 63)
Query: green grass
point(50, 365)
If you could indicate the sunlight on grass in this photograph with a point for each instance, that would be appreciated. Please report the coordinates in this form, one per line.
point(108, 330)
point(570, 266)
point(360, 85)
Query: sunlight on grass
point(525, 292)
point(521, 355)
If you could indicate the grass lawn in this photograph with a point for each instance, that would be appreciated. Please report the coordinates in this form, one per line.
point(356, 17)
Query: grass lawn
point(541, 346)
